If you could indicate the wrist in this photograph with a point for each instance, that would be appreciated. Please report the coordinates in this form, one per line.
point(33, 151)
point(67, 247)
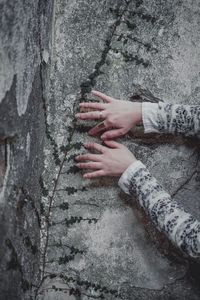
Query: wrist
point(126, 177)
point(127, 164)
point(150, 117)
point(137, 112)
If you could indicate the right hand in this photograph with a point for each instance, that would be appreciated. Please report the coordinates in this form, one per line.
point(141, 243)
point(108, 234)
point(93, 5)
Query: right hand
point(119, 116)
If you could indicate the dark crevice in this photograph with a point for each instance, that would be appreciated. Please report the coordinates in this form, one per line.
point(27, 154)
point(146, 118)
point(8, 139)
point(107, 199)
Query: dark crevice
point(181, 187)
point(3, 160)
point(27, 199)
point(14, 264)
point(144, 95)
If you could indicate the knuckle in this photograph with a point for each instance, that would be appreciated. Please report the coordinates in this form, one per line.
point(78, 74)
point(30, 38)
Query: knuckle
point(109, 121)
point(90, 144)
point(121, 131)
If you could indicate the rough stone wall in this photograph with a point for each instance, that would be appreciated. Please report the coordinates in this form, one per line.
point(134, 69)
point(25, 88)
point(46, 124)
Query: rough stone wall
point(21, 144)
point(96, 243)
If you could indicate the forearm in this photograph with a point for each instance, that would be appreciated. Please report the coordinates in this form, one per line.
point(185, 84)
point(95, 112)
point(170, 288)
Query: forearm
point(180, 227)
point(171, 118)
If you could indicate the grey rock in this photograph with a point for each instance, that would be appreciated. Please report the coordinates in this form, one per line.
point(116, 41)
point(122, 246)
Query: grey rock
point(64, 237)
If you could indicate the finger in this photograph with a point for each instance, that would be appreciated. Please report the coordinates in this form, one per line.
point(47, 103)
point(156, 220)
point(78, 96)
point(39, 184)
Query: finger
point(94, 115)
point(113, 144)
point(95, 174)
point(98, 128)
point(95, 146)
point(95, 105)
point(89, 165)
point(88, 156)
point(102, 96)
point(113, 134)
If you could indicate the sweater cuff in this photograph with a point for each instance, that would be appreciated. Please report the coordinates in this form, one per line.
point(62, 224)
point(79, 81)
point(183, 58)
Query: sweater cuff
point(125, 179)
point(150, 117)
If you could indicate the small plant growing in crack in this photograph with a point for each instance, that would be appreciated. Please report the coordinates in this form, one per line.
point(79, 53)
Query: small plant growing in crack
point(74, 220)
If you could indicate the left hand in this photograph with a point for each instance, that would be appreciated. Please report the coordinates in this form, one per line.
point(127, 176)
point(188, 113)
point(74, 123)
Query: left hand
point(112, 160)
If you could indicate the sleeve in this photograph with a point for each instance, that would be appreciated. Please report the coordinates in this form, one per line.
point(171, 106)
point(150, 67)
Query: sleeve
point(167, 215)
point(171, 118)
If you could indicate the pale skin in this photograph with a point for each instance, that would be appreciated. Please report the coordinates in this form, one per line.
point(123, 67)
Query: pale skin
point(118, 118)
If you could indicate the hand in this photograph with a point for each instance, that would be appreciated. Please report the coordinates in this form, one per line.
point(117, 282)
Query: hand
point(112, 161)
point(118, 114)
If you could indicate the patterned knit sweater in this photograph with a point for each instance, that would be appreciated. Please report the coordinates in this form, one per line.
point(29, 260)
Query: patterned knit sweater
point(180, 226)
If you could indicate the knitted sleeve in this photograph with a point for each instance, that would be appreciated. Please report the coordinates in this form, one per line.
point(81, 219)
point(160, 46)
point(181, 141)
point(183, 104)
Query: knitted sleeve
point(179, 226)
point(167, 215)
point(171, 118)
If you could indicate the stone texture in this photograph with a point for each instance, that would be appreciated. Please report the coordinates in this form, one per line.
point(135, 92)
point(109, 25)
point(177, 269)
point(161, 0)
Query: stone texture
point(21, 144)
point(96, 243)
point(91, 240)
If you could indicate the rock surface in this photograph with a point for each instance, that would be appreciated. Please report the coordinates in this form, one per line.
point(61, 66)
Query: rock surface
point(22, 130)
point(97, 243)
point(89, 239)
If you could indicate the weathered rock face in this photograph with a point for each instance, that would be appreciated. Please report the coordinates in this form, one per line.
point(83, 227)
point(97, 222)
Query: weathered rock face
point(21, 144)
point(95, 242)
